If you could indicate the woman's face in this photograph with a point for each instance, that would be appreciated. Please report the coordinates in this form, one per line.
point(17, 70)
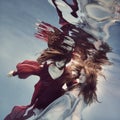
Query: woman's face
point(60, 64)
point(82, 77)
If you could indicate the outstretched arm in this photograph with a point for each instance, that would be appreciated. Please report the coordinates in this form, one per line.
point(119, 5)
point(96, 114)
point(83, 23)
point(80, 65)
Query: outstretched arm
point(25, 69)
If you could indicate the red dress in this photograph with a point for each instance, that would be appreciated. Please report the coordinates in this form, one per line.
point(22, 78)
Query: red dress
point(46, 89)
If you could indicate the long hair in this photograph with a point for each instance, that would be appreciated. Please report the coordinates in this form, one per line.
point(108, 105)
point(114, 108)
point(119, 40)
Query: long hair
point(54, 55)
point(88, 89)
point(52, 35)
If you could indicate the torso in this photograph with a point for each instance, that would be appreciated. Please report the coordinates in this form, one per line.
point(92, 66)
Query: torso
point(50, 87)
point(51, 75)
point(54, 71)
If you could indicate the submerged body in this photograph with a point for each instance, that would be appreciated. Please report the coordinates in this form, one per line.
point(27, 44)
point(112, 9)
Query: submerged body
point(47, 89)
point(67, 107)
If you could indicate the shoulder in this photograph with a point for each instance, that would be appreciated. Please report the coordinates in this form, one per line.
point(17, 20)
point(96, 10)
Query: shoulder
point(46, 64)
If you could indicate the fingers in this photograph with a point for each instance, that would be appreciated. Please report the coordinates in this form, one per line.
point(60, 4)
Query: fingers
point(69, 41)
point(10, 74)
point(68, 48)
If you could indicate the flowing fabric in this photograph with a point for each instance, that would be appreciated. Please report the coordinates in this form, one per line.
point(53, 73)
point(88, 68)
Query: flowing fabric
point(67, 107)
point(19, 113)
point(46, 89)
point(95, 17)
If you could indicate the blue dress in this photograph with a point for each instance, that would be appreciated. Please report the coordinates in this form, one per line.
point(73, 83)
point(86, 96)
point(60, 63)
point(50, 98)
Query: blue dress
point(67, 107)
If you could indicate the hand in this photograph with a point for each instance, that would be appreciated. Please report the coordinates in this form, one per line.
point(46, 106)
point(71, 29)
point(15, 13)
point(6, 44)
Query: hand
point(68, 48)
point(69, 41)
point(10, 74)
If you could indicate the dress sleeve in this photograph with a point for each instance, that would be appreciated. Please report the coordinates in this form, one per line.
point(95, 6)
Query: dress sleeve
point(27, 68)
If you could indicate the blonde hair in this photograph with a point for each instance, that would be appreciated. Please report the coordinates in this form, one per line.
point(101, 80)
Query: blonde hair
point(53, 54)
point(89, 87)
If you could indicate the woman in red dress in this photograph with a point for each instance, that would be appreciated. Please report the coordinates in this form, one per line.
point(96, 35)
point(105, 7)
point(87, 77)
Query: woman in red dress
point(50, 67)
